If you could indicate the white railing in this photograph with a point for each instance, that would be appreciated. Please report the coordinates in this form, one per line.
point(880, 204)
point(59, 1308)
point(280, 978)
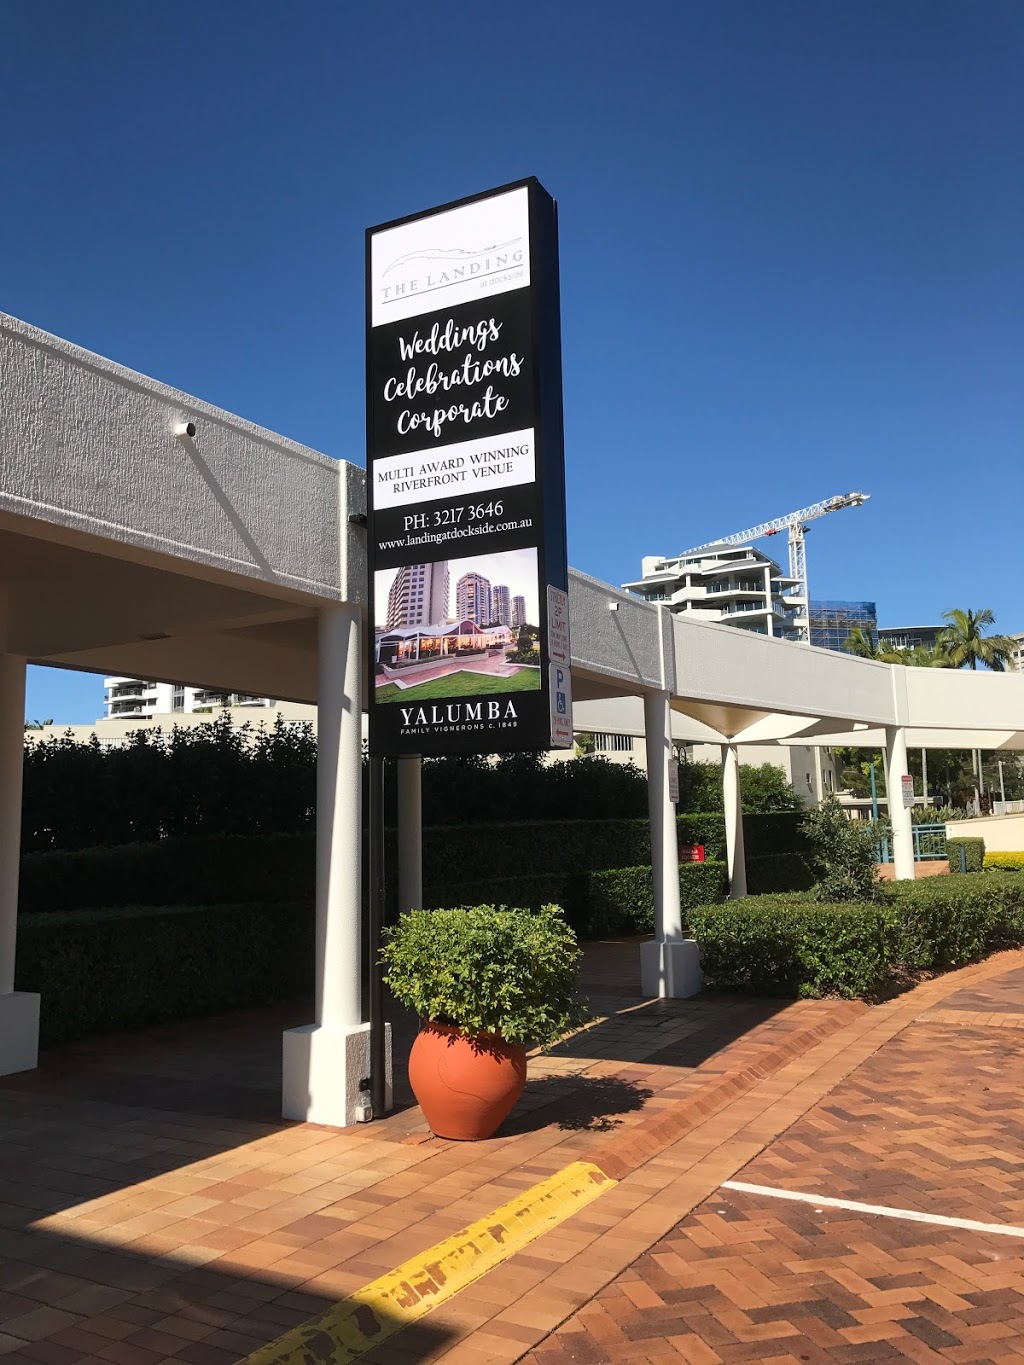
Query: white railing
point(1008, 807)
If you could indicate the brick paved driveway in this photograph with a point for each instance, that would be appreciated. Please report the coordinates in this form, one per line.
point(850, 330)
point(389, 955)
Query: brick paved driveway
point(933, 1122)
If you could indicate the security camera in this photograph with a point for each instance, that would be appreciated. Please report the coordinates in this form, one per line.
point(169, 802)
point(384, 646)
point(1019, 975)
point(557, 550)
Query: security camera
point(184, 429)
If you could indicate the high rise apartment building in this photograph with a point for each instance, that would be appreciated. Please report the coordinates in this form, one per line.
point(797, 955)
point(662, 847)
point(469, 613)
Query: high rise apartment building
point(419, 595)
point(1017, 661)
point(135, 698)
point(909, 637)
point(518, 611)
point(473, 599)
point(501, 606)
point(733, 584)
point(832, 623)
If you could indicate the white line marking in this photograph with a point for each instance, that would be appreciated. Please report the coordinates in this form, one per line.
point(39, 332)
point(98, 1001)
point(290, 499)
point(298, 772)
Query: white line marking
point(879, 1210)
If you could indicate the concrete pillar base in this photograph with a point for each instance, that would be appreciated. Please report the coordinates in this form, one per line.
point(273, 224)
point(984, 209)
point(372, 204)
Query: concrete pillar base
point(19, 1032)
point(323, 1067)
point(670, 970)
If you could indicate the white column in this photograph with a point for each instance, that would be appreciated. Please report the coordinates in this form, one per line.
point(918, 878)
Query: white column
point(899, 816)
point(19, 1010)
point(670, 964)
point(324, 1062)
point(410, 833)
point(734, 854)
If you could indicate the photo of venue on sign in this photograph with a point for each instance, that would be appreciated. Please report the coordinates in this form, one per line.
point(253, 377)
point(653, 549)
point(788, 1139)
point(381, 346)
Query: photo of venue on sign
point(457, 628)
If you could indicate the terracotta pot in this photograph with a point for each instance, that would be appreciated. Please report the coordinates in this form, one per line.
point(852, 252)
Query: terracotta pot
point(465, 1087)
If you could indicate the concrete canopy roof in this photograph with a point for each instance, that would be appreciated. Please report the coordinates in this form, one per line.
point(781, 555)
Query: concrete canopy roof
point(129, 550)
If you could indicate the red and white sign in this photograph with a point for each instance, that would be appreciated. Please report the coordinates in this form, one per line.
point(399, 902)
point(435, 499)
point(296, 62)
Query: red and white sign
point(907, 782)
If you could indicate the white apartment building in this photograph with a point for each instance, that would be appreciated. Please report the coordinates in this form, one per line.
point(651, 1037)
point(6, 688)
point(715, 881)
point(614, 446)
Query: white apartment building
point(1017, 661)
point(419, 595)
point(501, 605)
point(137, 699)
point(518, 611)
point(473, 599)
point(735, 585)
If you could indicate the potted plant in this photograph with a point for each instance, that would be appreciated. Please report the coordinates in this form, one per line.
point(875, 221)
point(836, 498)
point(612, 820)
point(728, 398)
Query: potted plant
point(487, 982)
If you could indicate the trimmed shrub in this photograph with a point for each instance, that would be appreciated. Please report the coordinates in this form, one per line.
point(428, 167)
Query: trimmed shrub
point(779, 872)
point(974, 850)
point(232, 869)
point(564, 846)
point(488, 969)
point(621, 901)
point(531, 892)
point(793, 946)
point(597, 904)
point(1006, 862)
point(950, 921)
point(104, 970)
point(219, 870)
point(763, 835)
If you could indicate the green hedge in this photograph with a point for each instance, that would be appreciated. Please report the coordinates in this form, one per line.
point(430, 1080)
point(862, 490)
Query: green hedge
point(781, 945)
point(974, 849)
point(763, 835)
point(220, 870)
point(234, 869)
point(773, 872)
point(104, 970)
point(621, 900)
point(1008, 862)
point(791, 945)
point(597, 904)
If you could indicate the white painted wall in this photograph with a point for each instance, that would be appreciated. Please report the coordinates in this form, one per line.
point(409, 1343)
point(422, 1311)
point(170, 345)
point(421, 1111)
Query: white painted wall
point(1002, 833)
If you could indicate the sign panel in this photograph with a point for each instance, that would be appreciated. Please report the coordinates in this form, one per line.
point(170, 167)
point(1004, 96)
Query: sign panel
point(560, 696)
point(465, 479)
point(907, 783)
point(673, 782)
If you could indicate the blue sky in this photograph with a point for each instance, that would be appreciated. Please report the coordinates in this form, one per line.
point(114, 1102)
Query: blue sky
point(791, 235)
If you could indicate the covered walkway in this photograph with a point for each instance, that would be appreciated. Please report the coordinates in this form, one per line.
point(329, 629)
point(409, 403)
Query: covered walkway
point(147, 534)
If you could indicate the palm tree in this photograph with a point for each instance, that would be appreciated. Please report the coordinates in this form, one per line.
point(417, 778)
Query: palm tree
point(964, 642)
point(861, 643)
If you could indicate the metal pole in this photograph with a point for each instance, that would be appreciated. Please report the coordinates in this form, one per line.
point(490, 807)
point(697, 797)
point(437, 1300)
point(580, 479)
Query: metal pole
point(924, 775)
point(874, 794)
point(1002, 785)
point(374, 931)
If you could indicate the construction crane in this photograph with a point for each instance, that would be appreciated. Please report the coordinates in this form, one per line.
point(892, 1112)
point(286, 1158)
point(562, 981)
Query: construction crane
point(796, 524)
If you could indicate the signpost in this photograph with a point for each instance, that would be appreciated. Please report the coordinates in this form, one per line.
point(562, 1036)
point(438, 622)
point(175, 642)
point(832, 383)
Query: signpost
point(907, 784)
point(468, 578)
point(465, 472)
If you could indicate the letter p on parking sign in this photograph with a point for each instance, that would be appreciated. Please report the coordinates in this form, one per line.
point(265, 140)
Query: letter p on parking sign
point(560, 692)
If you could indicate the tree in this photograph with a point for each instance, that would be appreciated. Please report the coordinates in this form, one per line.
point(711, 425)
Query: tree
point(765, 789)
point(964, 641)
point(861, 643)
point(864, 645)
point(762, 789)
point(844, 853)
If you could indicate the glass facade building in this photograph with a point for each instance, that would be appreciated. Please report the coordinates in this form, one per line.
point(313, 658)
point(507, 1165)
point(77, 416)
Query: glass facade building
point(832, 622)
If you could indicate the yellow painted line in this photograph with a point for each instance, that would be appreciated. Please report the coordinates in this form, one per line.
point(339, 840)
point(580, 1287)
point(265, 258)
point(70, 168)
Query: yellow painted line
point(386, 1305)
